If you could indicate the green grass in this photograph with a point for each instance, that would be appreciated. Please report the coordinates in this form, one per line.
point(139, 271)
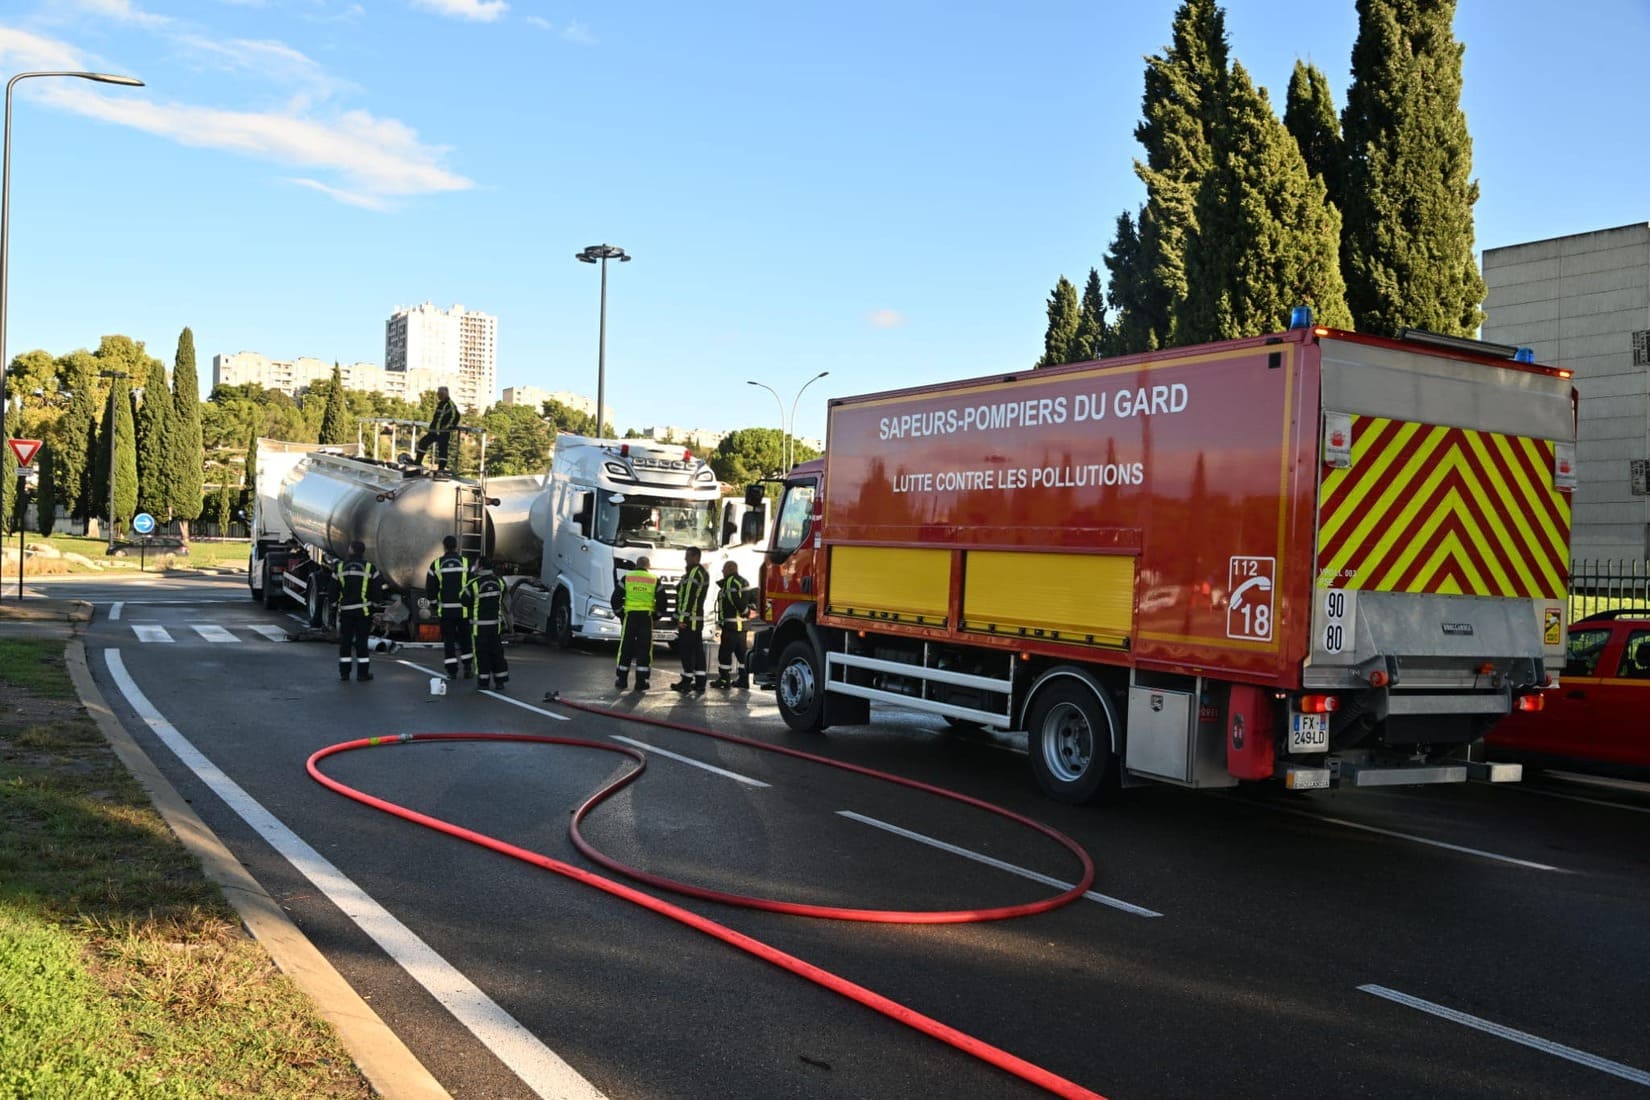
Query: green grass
point(202, 554)
point(123, 972)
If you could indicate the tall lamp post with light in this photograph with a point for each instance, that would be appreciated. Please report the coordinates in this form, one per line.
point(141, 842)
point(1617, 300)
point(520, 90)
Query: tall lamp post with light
point(5, 205)
point(787, 430)
point(602, 253)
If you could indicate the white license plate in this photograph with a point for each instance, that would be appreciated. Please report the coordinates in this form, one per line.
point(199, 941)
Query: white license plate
point(1309, 733)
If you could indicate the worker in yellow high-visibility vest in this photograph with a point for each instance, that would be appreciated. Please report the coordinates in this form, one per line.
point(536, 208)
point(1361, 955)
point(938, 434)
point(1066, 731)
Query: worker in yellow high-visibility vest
point(636, 598)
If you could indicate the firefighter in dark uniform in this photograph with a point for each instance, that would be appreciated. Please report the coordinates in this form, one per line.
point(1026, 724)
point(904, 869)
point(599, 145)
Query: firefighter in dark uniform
point(731, 604)
point(690, 625)
point(358, 584)
point(484, 603)
point(443, 422)
point(444, 588)
point(635, 597)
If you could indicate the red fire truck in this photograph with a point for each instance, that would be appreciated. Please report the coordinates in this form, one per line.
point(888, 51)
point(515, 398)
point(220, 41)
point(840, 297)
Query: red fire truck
point(1321, 557)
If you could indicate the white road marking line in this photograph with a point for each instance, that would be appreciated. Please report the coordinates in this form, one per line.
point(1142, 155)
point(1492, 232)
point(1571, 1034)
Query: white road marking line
point(1579, 798)
point(273, 633)
point(539, 1067)
point(1479, 852)
point(114, 610)
point(148, 633)
point(500, 696)
point(212, 632)
point(1546, 1046)
point(652, 750)
point(1601, 781)
point(1103, 899)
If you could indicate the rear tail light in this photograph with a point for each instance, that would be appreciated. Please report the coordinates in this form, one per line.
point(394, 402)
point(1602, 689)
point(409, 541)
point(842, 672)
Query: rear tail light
point(1530, 702)
point(1318, 704)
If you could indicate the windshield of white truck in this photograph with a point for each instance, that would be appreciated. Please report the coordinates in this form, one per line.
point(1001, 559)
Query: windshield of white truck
point(657, 522)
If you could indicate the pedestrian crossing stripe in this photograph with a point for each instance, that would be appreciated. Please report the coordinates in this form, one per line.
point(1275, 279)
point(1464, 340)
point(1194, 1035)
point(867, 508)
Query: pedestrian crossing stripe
point(210, 632)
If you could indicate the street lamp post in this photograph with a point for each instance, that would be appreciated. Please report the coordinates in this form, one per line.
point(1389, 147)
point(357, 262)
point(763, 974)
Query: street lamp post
point(787, 433)
point(112, 374)
point(5, 206)
point(592, 254)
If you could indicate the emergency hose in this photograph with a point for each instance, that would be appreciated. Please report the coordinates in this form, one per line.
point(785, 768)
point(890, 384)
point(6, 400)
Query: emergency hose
point(978, 1048)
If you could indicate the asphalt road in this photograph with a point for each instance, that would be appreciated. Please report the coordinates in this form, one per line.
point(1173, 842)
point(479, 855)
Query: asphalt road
point(1477, 941)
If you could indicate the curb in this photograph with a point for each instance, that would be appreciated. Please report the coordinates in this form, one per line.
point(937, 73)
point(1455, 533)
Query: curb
point(45, 610)
point(390, 1068)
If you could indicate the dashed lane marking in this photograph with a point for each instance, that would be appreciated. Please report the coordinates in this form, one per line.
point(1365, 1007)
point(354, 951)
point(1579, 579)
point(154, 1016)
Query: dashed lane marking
point(499, 695)
point(1501, 1031)
point(114, 610)
point(1103, 899)
point(653, 750)
point(1413, 839)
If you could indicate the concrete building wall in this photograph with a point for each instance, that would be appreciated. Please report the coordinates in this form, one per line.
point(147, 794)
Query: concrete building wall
point(1583, 302)
point(459, 344)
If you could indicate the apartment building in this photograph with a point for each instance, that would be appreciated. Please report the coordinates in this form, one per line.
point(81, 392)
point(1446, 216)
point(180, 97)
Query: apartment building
point(458, 343)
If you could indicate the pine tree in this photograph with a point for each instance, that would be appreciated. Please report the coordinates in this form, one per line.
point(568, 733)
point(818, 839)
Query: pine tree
point(45, 499)
point(1131, 326)
point(1407, 241)
point(1309, 114)
point(1090, 340)
point(1268, 239)
point(155, 471)
point(1184, 87)
point(1063, 318)
point(335, 421)
point(188, 455)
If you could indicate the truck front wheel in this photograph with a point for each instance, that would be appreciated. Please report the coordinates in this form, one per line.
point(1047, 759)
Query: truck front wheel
point(801, 688)
point(272, 588)
point(561, 620)
point(1070, 732)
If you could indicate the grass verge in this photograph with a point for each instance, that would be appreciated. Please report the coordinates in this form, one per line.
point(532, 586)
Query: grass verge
point(123, 971)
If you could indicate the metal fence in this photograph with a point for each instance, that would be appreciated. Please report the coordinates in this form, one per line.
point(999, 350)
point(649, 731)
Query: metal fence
point(1601, 584)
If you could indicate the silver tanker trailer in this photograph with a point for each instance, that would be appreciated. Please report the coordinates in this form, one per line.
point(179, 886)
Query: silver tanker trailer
point(401, 514)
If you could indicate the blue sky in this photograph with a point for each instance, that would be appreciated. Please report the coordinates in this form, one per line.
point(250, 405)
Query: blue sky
point(886, 191)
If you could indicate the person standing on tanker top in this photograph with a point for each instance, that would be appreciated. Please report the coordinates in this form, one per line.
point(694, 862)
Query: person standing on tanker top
point(690, 625)
point(358, 585)
point(442, 425)
point(444, 588)
point(636, 598)
point(484, 602)
point(731, 605)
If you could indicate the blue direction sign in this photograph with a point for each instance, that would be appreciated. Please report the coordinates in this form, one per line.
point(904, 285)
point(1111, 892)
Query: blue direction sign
point(143, 523)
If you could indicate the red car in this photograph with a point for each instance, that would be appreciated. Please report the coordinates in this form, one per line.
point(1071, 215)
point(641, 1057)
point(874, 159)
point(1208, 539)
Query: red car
point(1601, 710)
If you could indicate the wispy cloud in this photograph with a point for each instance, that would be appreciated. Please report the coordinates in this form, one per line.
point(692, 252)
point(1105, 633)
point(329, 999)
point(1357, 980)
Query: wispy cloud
point(373, 160)
point(124, 11)
point(578, 32)
point(270, 60)
point(540, 22)
point(886, 318)
point(481, 11)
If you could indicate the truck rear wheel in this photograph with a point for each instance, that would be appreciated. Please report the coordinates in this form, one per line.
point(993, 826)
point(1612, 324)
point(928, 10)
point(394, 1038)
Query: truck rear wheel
point(1070, 732)
point(561, 620)
point(801, 688)
point(314, 602)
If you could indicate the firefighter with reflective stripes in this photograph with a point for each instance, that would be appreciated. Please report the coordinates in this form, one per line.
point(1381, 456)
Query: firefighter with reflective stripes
point(484, 603)
point(690, 625)
point(732, 602)
point(636, 598)
point(444, 588)
point(357, 584)
point(443, 423)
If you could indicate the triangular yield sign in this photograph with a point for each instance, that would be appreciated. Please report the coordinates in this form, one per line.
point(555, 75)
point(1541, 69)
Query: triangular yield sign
point(24, 449)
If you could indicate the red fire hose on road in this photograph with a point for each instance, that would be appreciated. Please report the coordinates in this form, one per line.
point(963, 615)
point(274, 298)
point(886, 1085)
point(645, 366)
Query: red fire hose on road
point(980, 1049)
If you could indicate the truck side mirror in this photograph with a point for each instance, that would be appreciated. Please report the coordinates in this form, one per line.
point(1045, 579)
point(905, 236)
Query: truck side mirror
point(751, 527)
point(754, 494)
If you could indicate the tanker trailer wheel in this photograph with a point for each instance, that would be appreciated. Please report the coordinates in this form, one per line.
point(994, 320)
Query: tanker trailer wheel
point(801, 687)
point(315, 601)
point(272, 588)
point(1070, 730)
point(561, 620)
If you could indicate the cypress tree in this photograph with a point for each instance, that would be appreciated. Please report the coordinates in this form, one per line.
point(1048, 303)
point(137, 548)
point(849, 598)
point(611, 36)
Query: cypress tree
point(188, 455)
point(1407, 241)
point(1131, 327)
point(155, 470)
point(335, 420)
point(1062, 324)
point(118, 427)
point(1183, 94)
point(1309, 114)
point(249, 471)
point(1090, 340)
point(8, 474)
point(45, 500)
point(1268, 239)
point(74, 460)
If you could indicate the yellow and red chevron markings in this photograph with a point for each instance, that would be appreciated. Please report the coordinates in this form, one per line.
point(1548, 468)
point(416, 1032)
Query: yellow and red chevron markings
point(1425, 508)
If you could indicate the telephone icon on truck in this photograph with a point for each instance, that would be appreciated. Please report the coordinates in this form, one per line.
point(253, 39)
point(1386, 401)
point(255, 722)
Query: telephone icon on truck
point(1249, 607)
